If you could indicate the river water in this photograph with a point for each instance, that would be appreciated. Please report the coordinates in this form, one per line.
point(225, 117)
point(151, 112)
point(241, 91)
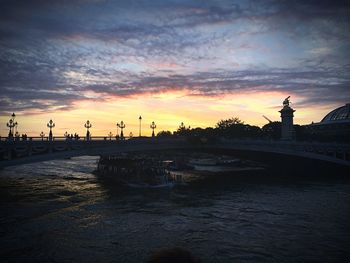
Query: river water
point(59, 211)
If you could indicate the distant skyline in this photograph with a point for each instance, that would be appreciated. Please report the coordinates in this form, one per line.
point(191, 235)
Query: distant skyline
point(170, 61)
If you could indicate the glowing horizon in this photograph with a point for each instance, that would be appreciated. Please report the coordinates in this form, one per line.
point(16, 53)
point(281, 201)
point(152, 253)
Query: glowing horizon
point(194, 111)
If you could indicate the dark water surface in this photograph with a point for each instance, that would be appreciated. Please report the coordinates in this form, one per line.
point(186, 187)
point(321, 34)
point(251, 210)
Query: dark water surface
point(58, 211)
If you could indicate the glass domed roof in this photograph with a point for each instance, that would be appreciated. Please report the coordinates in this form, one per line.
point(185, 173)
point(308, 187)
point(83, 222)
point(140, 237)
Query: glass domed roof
point(339, 114)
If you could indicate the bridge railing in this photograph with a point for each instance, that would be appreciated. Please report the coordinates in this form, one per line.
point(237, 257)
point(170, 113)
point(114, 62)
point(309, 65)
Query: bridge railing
point(334, 150)
point(38, 145)
point(63, 138)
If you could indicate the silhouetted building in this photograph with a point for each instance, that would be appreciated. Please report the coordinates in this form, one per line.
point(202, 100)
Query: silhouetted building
point(335, 126)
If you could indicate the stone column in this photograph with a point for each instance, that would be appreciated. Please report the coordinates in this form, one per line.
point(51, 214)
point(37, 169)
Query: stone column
point(287, 123)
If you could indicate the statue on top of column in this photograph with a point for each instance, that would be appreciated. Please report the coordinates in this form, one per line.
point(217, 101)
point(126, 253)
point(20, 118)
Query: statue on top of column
point(286, 102)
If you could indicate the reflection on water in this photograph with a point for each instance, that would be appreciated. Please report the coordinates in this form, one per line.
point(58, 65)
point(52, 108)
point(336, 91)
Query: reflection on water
point(60, 211)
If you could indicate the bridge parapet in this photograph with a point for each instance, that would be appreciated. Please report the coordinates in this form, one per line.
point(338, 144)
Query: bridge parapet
point(10, 149)
point(333, 150)
point(21, 149)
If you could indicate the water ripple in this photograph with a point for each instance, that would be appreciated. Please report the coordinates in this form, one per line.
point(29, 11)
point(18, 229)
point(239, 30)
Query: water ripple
point(59, 211)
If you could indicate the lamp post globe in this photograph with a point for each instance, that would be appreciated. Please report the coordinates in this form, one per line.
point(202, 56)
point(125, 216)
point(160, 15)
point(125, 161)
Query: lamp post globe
point(12, 124)
point(153, 126)
point(110, 135)
point(42, 135)
point(121, 125)
point(88, 125)
point(51, 125)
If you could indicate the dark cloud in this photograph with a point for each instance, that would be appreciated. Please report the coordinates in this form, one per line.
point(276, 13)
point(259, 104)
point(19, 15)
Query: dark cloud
point(315, 9)
point(51, 52)
point(323, 86)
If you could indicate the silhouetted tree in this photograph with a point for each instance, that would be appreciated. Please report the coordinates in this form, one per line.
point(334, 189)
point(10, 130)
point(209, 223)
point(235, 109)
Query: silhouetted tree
point(225, 124)
point(252, 131)
point(164, 134)
point(235, 128)
point(182, 130)
point(272, 130)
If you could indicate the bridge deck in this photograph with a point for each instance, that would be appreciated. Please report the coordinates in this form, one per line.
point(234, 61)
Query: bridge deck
point(17, 152)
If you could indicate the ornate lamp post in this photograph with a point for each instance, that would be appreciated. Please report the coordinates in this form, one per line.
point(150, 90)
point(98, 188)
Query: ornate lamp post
point(140, 119)
point(50, 125)
point(153, 126)
point(11, 124)
point(42, 135)
point(121, 125)
point(88, 125)
point(110, 135)
point(16, 132)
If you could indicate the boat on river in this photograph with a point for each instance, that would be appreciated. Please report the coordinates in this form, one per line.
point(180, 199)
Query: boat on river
point(135, 170)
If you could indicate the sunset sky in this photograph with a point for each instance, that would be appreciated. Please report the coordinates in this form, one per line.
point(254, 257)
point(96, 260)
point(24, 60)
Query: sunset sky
point(169, 61)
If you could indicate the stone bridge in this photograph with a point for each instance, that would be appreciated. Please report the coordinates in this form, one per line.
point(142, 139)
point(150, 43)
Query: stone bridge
point(13, 152)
